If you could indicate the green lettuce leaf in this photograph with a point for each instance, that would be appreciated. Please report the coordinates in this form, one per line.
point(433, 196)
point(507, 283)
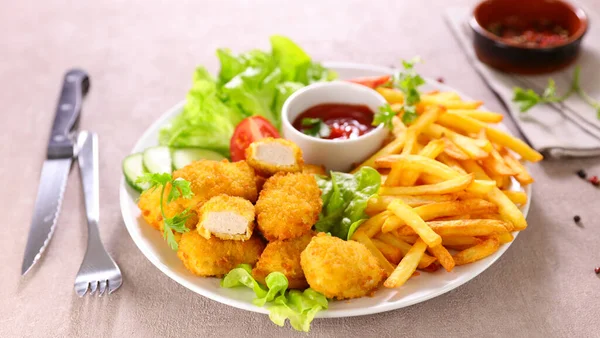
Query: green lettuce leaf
point(206, 121)
point(345, 198)
point(251, 83)
point(299, 307)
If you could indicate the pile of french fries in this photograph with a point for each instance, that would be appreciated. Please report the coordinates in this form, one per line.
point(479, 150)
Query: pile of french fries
point(446, 197)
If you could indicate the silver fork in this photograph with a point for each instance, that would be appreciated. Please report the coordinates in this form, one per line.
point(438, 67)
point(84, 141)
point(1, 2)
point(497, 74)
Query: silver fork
point(98, 270)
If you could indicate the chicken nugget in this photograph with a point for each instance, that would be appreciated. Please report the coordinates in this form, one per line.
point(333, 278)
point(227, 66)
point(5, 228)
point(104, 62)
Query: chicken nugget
point(149, 204)
point(340, 269)
point(283, 256)
point(271, 155)
point(214, 256)
point(314, 169)
point(226, 217)
point(288, 206)
point(212, 178)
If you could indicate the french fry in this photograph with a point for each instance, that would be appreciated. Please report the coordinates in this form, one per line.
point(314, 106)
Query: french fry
point(431, 150)
point(517, 197)
point(468, 241)
point(408, 265)
point(452, 150)
point(452, 163)
point(452, 218)
point(395, 175)
point(471, 125)
point(428, 100)
point(390, 252)
point(408, 239)
point(398, 125)
point(443, 256)
point(481, 115)
point(497, 165)
point(493, 216)
point(361, 237)
point(507, 209)
point(425, 120)
point(373, 225)
point(477, 252)
point(505, 237)
point(391, 95)
point(412, 219)
point(471, 166)
point(378, 204)
point(467, 227)
point(443, 209)
point(522, 176)
point(393, 147)
point(404, 247)
point(466, 144)
point(450, 186)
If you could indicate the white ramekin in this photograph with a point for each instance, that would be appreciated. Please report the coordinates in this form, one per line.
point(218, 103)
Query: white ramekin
point(338, 155)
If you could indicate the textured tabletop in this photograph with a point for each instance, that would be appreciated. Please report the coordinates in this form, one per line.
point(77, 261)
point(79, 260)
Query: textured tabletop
point(141, 55)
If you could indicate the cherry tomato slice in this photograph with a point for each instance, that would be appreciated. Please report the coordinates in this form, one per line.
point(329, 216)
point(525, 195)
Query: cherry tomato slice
point(249, 130)
point(371, 81)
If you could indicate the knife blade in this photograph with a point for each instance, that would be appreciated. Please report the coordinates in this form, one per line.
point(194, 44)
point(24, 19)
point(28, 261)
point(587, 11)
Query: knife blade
point(56, 167)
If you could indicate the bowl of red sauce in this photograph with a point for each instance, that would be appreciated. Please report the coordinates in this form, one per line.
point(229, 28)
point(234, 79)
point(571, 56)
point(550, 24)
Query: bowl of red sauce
point(527, 37)
point(332, 122)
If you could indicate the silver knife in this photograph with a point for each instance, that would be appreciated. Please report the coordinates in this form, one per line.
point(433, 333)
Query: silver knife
point(56, 167)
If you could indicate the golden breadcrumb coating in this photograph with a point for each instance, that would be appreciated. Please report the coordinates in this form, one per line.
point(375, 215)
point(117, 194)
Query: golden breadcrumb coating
point(283, 256)
point(271, 155)
point(212, 178)
point(226, 217)
point(340, 269)
point(288, 206)
point(314, 169)
point(214, 256)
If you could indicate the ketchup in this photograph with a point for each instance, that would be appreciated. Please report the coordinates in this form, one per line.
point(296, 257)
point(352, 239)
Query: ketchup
point(345, 121)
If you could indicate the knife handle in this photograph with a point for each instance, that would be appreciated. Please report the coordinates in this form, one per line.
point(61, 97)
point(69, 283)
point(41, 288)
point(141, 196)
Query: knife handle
point(75, 86)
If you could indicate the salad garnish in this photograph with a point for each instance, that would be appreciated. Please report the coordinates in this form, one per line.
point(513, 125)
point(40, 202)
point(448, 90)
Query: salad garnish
point(178, 188)
point(300, 307)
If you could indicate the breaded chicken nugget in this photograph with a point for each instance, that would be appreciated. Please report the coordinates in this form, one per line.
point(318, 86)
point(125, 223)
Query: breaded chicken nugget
point(271, 155)
point(284, 257)
point(314, 169)
point(288, 206)
point(226, 217)
point(212, 178)
point(216, 257)
point(340, 269)
point(149, 204)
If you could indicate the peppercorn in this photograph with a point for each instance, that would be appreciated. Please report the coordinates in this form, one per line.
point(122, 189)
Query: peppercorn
point(594, 180)
point(581, 173)
point(597, 270)
point(440, 79)
point(576, 218)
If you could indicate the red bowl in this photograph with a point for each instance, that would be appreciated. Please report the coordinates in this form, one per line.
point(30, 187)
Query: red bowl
point(513, 57)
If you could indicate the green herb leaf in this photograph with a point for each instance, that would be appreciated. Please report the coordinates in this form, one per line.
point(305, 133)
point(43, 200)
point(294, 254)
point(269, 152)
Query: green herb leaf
point(318, 128)
point(525, 99)
point(550, 91)
point(384, 115)
point(408, 81)
point(409, 114)
point(180, 188)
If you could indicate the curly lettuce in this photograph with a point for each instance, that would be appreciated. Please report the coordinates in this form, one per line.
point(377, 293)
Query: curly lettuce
point(345, 198)
point(250, 83)
point(299, 307)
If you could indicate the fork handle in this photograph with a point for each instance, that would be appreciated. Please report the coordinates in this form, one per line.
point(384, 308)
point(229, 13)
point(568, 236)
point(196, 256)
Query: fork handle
point(87, 159)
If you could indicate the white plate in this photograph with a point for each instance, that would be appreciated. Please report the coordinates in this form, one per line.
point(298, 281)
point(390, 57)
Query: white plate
point(416, 290)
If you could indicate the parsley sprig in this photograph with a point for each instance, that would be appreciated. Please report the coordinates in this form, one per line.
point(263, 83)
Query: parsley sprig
point(527, 98)
point(180, 188)
point(315, 127)
point(408, 81)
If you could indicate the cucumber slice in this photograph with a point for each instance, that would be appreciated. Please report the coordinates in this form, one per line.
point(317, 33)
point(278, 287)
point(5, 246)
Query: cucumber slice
point(157, 160)
point(132, 169)
point(184, 156)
